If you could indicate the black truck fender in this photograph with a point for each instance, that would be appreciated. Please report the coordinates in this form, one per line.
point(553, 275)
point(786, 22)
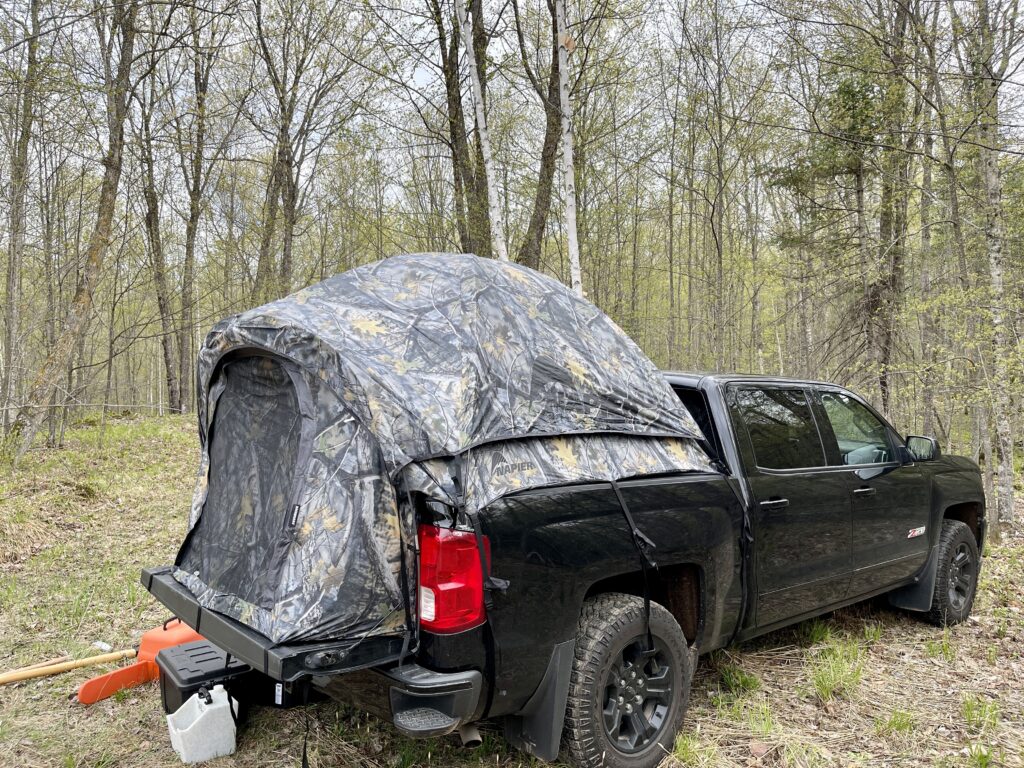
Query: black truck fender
point(956, 489)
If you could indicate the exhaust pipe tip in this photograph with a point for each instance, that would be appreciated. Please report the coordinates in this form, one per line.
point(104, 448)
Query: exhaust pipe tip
point(470, 736)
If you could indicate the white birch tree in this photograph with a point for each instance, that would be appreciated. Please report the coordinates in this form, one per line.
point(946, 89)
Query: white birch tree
point(568, 168)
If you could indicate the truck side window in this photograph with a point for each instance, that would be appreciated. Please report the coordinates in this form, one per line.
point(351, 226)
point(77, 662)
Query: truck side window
point(861, 436)
point(781, 428)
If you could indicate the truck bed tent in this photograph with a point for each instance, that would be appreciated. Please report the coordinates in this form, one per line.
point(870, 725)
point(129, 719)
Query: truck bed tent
point(461, 378)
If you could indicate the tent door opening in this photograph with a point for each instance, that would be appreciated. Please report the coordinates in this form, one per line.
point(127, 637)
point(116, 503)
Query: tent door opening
point(259, 440)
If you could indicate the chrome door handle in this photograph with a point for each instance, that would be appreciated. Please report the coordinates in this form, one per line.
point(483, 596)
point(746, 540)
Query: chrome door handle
point(775, 503)
point(864, 492)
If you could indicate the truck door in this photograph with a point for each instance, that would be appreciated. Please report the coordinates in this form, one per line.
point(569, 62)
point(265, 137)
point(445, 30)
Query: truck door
point(890, 500)
point(801, 518)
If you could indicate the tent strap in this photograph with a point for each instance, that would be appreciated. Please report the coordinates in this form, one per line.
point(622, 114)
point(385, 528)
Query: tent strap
point(644, 547)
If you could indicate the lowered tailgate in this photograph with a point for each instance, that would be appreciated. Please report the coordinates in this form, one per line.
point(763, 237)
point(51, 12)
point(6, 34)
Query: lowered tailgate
point(286, 662)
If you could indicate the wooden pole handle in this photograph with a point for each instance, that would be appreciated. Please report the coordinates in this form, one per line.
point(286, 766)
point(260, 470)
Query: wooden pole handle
point(55, 669)
point(38, 664)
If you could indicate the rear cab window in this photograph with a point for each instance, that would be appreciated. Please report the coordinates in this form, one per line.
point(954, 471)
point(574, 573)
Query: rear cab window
point(780, 425)
point(696, 403)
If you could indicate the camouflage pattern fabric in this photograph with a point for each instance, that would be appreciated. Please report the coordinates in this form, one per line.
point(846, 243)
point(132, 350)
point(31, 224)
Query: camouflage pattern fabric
point(425, 372)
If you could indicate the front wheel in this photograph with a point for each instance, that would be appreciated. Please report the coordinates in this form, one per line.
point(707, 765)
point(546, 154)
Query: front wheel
point(956, 578)
point(626, 699)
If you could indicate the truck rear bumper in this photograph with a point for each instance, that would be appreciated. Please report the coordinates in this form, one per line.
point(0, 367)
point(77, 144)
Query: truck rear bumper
point(426, 703)
point(419, 701)
point(280, 662)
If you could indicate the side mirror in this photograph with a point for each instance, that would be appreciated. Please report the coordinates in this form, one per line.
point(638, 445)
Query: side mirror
point(923, 448)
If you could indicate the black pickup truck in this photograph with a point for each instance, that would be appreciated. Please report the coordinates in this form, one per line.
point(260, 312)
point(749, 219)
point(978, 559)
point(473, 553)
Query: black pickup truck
point(818, 503)
point(563, 575)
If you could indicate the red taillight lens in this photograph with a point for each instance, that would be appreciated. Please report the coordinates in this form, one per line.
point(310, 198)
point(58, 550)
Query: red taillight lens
point(451, 593)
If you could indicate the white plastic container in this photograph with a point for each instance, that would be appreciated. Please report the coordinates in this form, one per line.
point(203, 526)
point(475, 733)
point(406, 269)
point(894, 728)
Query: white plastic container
point(202, 731)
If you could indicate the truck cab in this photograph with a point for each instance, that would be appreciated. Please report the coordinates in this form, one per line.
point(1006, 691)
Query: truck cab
point(841, 506)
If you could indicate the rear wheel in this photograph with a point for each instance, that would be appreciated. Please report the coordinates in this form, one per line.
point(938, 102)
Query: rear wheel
point(626, 699)
point(956, 579)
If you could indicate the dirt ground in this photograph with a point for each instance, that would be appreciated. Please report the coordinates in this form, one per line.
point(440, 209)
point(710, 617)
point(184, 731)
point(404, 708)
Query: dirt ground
point(867, 686)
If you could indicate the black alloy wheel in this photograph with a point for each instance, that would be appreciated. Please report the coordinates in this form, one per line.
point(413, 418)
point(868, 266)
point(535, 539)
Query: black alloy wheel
point(627, 695)
point(638, 695)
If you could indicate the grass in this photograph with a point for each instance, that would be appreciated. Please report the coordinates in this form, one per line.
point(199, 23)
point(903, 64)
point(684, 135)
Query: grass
point(692, 752)
point(941, 648)
point(836, 670)
point(737, 680)
point(760, 718)
point(898, 723)
point(872, 633)
point(864, 686)
point(980, 715)
point(981, 756)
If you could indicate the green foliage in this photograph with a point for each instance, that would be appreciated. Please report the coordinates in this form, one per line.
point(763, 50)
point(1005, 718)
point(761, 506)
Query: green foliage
point(981, 756)
point(760, 717)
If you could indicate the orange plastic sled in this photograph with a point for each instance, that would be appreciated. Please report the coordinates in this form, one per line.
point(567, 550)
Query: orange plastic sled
point(168, 635)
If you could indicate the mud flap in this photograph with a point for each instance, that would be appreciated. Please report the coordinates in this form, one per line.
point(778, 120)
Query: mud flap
point(918, 595)
point(537, 728)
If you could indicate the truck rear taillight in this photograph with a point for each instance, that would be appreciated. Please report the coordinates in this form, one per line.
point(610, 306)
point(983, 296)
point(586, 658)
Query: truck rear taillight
point(451, 593)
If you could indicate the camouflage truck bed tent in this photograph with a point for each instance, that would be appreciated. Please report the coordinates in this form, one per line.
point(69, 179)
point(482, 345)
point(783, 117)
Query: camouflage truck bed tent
point(461, 378)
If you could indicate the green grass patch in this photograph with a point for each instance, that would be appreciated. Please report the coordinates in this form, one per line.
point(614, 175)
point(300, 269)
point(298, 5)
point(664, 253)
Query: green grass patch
point(692, 752)
point(872, 633)
point(981, 715)
point(836, 670)
point(737, 680)
point(813, 632)
point(943, 648)
point(760, 717)
point(981, 756)
point(898, 723)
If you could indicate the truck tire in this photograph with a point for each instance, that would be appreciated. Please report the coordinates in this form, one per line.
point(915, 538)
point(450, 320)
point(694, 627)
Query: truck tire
point(626, 702)
point(956, 578)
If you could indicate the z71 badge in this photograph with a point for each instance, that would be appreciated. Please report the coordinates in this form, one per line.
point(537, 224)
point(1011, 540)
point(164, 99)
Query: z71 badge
point(913, 533)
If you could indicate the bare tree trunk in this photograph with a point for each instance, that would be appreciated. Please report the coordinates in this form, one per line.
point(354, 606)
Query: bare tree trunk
point(884, 293)
point(673, 320)
point(928, 354)
point(23, 430)
point(196, 177)
point(49, 331)
point(530, 250)
point(156, 251)
point(483, 136)
point(19, 189)
point(987, 90)
point(568, 168)
point(264, 263)
point(289, 213)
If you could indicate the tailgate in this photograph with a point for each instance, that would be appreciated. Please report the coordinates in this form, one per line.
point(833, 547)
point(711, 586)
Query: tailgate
point(280, 662)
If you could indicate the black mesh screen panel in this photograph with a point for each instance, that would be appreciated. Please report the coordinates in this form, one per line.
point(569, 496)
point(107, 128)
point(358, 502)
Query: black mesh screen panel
point(254, 447)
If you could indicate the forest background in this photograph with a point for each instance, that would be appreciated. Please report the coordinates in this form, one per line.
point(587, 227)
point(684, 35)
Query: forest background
point(816, 188)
